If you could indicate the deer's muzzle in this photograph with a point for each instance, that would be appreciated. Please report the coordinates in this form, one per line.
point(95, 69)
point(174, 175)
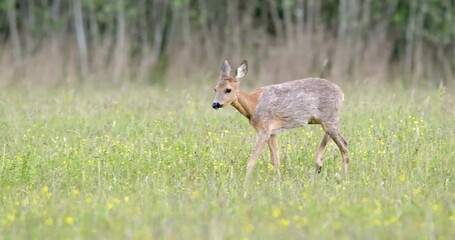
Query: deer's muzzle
point(216, 105)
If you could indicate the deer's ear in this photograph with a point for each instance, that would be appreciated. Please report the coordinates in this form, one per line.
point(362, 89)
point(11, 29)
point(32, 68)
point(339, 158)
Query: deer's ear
point(241, 70)
point(226, 68)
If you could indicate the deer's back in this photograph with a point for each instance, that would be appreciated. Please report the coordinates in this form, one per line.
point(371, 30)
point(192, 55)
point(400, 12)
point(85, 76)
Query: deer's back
point(300, 102)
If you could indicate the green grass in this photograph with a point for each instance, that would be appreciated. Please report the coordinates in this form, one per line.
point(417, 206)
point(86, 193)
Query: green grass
point(143, 162)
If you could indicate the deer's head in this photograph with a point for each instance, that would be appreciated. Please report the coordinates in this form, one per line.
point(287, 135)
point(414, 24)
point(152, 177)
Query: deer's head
point(228, 85)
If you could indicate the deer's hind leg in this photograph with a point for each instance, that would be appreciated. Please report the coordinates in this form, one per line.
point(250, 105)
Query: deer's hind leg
point(320, 151)
point(335, 134)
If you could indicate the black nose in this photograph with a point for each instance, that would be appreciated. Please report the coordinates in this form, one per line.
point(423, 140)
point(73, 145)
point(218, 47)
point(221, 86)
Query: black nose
point(216, 105)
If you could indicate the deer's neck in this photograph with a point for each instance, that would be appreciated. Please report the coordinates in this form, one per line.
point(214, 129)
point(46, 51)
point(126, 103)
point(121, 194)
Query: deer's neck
point(246, 102)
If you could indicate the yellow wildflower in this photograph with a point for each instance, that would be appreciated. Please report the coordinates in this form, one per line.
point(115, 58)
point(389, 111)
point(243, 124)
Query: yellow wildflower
point(390, 220)
point(69, 220)
point(75, 192)
point(284, 223)
point(276, 212)
point(249, 228)
point(49, 221)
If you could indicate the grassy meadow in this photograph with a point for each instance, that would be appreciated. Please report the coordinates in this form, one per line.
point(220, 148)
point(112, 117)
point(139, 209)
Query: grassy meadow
point(153, 162)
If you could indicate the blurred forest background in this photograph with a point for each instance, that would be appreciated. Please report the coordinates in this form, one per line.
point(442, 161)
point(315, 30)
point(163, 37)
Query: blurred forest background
point(64, 41)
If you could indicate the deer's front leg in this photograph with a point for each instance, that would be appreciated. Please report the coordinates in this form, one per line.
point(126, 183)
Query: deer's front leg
point(273, 146)
point(260, 143)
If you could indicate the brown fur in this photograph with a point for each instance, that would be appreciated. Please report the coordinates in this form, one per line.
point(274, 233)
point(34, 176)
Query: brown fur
point(246, 102)
point(274, 108)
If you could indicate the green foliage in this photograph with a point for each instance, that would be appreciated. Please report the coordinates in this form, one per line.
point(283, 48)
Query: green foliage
point(178, 4)
point(160, 29)
point(439, 17)
point(7, 4)
point(144, 162)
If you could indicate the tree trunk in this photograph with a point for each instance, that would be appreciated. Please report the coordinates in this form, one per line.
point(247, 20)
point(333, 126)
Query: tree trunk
point(235, 48)
point(288, 28)
point(120, 46)
point(55, 10)
point(94, 37)
point(299, 26)
point(143, 26)
point(276, 19)
point(205, 31)
point(160, 24)
point(418, 57)
point(186, 27)
point(17, 51)
point(309, 25)
point(80, 37)
point(30, 27)
point(340, 59)
point(410, 39)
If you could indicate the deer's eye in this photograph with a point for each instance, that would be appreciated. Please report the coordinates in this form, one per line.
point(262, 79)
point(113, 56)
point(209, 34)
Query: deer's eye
point(228, 90)
point(214, 89)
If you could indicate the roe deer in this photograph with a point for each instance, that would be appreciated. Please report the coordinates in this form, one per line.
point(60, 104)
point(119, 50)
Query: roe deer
point(278, 107)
